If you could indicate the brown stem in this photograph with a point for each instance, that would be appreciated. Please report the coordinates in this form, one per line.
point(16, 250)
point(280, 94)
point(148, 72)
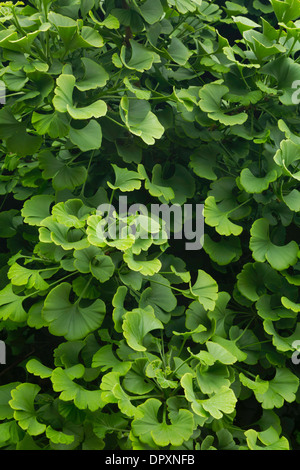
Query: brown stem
point(128, 32)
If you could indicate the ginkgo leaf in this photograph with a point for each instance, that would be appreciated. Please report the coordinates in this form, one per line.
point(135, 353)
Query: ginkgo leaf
point(63, 175)
point(37, 208)
point(63, 382)
point(151, 11)
point(258, 385)
point(286, 156)
point(63, 100)
point(141, 58)
point(37, 368)
point(140, 263)
point(67, 237)
point(212, 379)
point(92, 260)
point(225, 351)
point(206, 290)
point(211, 96)
point(59, 437)
point(137, 324)
point(54, 124)
point(269, 438)
point(11, 305)
point(226, 251)
point(126, 180)
point(88, 137)
point(287, 303)
point(22, 403)
point(282, 387)
point(253, 184)
point(72, 213)
point(279, 257)
point(70, 319)
point(219, 219)
point(20, 276)
point(140, 120)
point(178, 51)
point(222, 402)
point(256, 278)
point(148, 427)
point(282, 343)
point(94, 76)
point(160, 296)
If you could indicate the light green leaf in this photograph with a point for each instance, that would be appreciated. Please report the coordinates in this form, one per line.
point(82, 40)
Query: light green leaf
point(212, 378)
point(67, 237)
point(222, 402)
point(35, 367)
point(279, 257)
point(287, 303)
point(6, 412)
point(258, 385)
point(224, 350)
point(22, 403)
point(92, 260)
point(97, 109)
point(141, 264)
point(149, 427)
point(66, 26)
point(119, 308)
point(63, 100)
point(269, 438)
point(140, 120)
point(63, 381)
point(59, 437)
point(282, 388)
point(141, 58)
point(226, 251)
point(126, 180)
point(211, 96)
point(137, 324)
point(87, 138)
point(206, 290)
point(282, 343)
point(71, 320)
point(31, 278)
point(11, 305)
point(179, 52)
point(219, 219)
point(253, 184)
point(151, 11)
point(160, 296)
point(72, 213)
point(54, 124)
point(37, 208)
point(95, 76)
point(287, 156)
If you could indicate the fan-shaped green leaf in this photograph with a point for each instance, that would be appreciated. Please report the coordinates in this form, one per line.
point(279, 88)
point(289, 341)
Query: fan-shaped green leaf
point(279, 257)
point(137, 324)
point(206, 290)
point(211, 96)
point(70, 319)
point(149, 427)
point(22, 402)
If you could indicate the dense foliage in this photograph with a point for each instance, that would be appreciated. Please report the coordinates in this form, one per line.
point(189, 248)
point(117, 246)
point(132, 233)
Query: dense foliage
point(139, 343)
